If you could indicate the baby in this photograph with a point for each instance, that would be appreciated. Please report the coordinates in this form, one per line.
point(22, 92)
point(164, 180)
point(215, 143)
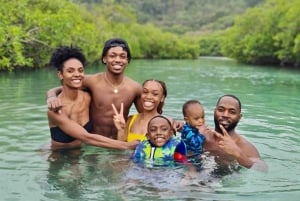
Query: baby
point(193, 113)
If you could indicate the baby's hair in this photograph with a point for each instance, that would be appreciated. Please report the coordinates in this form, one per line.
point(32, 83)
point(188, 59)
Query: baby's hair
point(165, 93)
point(64, 53)
point(163, 117)
point(187, 104)
point(116, 42)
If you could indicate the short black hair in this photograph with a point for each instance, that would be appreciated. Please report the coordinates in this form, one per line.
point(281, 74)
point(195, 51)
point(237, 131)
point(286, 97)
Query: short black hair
point(63, 53)
point(187, 104)
point(232, 96)
point(162, 117)
point(115, 42)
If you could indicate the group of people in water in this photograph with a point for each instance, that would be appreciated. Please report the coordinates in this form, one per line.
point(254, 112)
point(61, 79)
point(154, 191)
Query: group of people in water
point(94, 110)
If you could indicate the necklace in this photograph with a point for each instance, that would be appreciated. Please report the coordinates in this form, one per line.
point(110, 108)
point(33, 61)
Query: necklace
point(115, 87)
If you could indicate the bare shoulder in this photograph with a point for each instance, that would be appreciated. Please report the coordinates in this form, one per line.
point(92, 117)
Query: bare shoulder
point(132, 82)
point(134, 85)
point(246, 145)
point(92, 79)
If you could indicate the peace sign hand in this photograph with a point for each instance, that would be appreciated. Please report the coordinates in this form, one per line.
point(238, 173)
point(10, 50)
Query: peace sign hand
point(226, 143)
point(118, 117)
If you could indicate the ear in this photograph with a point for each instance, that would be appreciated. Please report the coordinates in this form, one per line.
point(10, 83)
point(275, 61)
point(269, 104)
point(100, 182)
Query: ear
point(185, 119)
point(60, 75)
point(147, 135)
point(162, 99)
point(104, 60)
point(241, 115)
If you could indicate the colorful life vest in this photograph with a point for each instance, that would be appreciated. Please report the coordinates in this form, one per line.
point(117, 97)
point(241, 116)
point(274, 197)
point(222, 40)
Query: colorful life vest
point(174, 149)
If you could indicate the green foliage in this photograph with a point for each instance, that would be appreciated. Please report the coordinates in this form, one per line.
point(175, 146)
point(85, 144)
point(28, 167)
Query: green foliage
point(28, 36)
point(266, 34)
point(180, 16)
point(211, 44)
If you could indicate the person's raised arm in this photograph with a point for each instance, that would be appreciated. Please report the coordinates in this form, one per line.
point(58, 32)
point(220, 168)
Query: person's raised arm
point(75, 130)
point(120, 123)
point(244, 152)
point(54, 103)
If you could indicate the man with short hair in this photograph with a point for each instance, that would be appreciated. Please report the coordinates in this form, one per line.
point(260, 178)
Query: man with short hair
point(107, 88)
point(225, 143)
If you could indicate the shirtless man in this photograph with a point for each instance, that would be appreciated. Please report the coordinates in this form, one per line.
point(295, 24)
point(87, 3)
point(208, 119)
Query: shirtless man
point(107, 88)
point(226, 144)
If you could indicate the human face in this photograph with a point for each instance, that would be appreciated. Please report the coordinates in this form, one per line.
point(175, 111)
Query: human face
point(72, 74)
point(152, 95)
point(159, 131)
point(227, 113)
point(116, 60)
point(195, 116)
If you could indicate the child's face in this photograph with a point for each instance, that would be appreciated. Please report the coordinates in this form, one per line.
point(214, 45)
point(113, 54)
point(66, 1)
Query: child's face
point(195, 116)
point(159, 131)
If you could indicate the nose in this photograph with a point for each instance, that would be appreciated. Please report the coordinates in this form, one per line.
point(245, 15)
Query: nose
point(118, 59)
point(225, 113)
point(78, 73)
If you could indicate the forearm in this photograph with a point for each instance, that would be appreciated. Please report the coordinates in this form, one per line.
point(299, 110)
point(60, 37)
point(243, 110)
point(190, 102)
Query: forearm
point(53, 92)
point(101, 141)
point(244, 161)
point(121, 135)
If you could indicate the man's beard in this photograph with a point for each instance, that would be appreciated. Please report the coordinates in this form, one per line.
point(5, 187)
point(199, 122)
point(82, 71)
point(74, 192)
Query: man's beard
point(229, 128)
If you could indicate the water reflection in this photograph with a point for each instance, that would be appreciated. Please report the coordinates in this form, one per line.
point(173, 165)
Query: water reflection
point(270, 121)
point(65, 173)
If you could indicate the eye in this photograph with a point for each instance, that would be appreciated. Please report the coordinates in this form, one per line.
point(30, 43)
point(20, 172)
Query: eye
point(152, 129)
point(112, 55)
point(165, 129)
point(232, 112)
point(70, 70)
point(220, 109)
point(80, 70)
point(123, 56)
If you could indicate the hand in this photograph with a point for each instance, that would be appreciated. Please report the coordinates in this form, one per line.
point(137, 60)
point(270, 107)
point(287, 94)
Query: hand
point(54, 104)
point(118, 117)
point(177, 125)
point(132, 145)
point(226, 143)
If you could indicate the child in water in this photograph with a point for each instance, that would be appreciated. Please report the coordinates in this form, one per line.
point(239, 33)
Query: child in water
point(194, 127)
point(161, 146)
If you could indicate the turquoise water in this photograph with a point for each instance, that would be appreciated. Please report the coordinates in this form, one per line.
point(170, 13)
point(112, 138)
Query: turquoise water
point(270, 106)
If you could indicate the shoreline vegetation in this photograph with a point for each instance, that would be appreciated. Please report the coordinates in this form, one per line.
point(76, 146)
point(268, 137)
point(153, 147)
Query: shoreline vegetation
point(259, 32)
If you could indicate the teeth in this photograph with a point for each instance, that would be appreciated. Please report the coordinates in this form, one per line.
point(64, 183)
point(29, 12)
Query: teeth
point(224, 123)
point(148, 104)
point(76, 81)
point(117, 66)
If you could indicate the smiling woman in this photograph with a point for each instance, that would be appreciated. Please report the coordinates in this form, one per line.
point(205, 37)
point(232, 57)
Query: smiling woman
point(71, 125)
point(153, 97)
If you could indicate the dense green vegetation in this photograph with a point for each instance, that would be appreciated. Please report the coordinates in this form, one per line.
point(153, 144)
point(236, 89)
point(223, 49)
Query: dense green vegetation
point(265, 33)
point(30, 29)
point(180, 16)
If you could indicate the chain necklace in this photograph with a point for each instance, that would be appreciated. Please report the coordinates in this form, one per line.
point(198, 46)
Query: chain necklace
point(115, 87)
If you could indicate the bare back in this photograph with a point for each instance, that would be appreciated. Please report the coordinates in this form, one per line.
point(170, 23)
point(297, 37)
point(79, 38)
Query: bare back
point(103, 96)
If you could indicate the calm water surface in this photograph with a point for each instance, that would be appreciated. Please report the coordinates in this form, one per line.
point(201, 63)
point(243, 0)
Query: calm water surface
point(270, 101)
